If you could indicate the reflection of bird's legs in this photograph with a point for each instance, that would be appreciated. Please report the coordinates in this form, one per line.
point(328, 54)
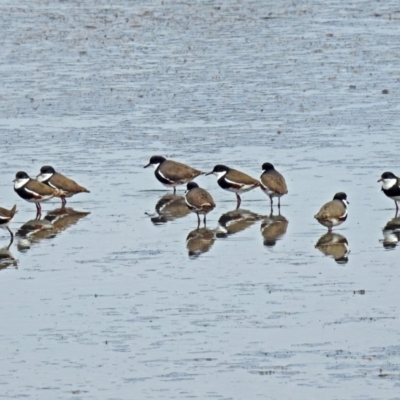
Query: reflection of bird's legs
point(279, 203)
point(238, 201)
point(204, 220)
point(11, 241)
point(271, 203)
point(38, 210)
point(397, 208)
point(174, 189)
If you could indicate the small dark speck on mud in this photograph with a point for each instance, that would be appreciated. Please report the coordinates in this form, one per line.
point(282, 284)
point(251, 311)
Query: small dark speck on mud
point(352, 86)
point(266, 372)
point(385, 91)
point(362, 291)
point(269, 16)
point(279, 132)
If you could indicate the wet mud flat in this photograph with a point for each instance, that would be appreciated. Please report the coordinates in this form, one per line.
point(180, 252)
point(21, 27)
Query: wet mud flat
point(122, 296)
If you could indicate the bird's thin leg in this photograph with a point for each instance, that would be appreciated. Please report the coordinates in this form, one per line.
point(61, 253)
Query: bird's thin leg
point(63, 202)
point(174, 189)
point(329, 229)
point(239, 200)
point(397, 207)
point(11, 233)
point(204, 220)
point(198, 220)
point(279, 203)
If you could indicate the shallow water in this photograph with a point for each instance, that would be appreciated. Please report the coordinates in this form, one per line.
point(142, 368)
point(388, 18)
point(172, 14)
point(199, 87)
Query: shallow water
point(117, 303)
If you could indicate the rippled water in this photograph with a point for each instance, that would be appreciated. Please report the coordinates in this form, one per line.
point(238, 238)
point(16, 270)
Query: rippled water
point(121, 297)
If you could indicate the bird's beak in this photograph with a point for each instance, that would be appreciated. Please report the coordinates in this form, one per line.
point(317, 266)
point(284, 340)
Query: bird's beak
point(380, 180)
point(15, 180)
point(147, 165)
point(209, 173)
point(347, 202)
point(37, 176)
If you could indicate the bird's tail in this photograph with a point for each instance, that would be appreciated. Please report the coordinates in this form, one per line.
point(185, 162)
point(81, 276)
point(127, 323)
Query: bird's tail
point(14, 210)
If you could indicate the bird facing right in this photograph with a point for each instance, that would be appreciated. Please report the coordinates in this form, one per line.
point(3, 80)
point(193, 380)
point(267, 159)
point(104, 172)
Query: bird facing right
point(272, 183)
point(334, 212)
point(199, 201)
point(391, 187)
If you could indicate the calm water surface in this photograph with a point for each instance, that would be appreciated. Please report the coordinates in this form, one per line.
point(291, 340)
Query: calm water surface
point(121, 297)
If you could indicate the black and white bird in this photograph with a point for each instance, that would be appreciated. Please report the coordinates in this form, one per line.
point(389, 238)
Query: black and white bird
point(234, 181)
point(34, 191)
point(172, 173)
point(391, 187)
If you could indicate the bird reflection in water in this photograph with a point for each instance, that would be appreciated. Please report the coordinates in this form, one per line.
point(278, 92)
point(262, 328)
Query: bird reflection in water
point(236, 221)
point(273, 228)
point(199, 241)
point(334, 245)
point(391, 233)
point(168, 208)
point(6, 258)
point(54, 222)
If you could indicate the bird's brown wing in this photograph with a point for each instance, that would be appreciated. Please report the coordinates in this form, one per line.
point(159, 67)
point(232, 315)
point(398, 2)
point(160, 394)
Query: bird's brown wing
point(178, 172)
point(332, 209)
point(240, 178)
point(206, 199)
point(61, 182)
point(274, 182)
point(200, 199)
point(38, 189)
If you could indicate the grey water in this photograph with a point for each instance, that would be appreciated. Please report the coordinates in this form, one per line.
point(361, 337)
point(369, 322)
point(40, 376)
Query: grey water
point(121, 297)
